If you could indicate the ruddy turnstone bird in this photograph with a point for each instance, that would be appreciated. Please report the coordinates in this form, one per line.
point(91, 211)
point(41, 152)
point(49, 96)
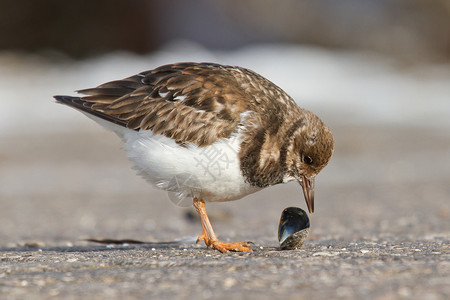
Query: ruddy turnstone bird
point(231, 129)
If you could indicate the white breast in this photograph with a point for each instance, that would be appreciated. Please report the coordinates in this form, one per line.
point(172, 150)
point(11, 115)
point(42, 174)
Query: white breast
point(211, 173)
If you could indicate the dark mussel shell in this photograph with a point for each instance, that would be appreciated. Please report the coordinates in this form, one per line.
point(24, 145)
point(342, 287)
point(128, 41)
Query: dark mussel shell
point(293, 229)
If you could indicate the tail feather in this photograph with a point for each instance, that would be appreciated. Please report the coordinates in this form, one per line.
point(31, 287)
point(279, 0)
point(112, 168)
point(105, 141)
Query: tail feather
point(84, 106)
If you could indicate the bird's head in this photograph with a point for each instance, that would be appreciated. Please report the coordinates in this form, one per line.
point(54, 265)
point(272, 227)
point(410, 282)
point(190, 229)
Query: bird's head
point(309, 151)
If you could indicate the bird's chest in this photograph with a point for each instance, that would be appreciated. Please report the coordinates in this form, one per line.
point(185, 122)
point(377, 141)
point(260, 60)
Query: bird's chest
point(212, 173)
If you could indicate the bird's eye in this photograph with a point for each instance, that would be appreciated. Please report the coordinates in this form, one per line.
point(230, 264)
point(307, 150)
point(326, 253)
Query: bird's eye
point(307, 159)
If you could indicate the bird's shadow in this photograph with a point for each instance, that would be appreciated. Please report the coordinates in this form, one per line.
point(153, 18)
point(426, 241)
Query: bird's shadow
point(103, 245)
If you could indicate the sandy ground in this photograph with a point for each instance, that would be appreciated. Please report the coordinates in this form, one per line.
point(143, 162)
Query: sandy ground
point(380, 231)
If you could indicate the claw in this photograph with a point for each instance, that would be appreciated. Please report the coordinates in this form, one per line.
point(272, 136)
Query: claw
point(201, 237)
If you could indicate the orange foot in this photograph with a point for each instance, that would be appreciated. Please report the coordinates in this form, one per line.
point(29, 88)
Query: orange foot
point(209, 236)
point(224, 247)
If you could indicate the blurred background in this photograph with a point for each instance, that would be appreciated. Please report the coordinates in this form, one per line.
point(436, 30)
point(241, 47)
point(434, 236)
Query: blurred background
point(376, 71)
point(411, 30)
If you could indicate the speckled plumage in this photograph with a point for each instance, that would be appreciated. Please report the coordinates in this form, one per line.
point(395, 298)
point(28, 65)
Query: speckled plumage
point(204, 106)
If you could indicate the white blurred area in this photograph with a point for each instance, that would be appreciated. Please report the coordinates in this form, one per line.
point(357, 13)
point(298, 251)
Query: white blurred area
point(341, 87)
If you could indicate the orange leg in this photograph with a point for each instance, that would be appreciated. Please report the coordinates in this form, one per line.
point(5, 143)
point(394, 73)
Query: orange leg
point(209, 236)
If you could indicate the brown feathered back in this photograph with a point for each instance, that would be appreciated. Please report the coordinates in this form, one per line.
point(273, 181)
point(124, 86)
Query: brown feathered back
point(184, 101)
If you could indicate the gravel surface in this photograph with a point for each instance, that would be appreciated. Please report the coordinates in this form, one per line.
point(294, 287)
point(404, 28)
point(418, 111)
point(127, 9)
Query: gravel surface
point(377, 268)
point(380, 230)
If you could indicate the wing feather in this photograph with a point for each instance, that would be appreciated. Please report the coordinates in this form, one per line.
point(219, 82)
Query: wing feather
point(190, 102)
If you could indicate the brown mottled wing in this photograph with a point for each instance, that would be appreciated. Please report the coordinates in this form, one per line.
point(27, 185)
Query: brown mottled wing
point(188, 102)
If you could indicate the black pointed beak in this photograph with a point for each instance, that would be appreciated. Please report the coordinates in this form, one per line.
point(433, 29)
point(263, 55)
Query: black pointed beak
point(308, 191)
